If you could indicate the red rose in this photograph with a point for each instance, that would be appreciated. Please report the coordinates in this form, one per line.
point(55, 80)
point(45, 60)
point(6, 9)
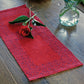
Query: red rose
point(24, 31)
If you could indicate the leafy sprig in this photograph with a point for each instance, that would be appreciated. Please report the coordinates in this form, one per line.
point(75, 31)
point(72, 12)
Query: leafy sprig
point(25, 22)
point(70, 5)
point(24, 19)
point(78, 1)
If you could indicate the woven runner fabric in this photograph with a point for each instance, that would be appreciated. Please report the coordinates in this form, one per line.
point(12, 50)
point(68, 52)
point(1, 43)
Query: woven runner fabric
point(39, 57)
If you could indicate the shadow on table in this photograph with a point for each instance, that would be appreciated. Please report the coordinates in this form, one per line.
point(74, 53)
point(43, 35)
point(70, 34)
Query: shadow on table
point(63, 30)
point(39, 1)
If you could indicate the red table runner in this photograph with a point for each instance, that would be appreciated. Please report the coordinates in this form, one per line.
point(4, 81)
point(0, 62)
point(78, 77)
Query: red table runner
point(39, 57)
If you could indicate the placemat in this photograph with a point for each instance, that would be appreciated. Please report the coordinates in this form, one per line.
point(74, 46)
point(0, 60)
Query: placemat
point(39, 57)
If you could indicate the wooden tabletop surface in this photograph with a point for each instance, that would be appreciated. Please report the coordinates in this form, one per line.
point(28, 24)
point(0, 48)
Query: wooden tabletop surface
point(72, 38)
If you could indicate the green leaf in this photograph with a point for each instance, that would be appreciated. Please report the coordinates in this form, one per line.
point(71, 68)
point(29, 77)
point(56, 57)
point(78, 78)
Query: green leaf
point(30, 28)
point(30, 36)
point(20, 19)
point(79, 1)
point(82, 1)
point(36, 23)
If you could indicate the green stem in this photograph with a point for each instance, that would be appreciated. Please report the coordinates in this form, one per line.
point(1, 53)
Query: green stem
point(69, 7)
point(30, 18)
point(64, 12)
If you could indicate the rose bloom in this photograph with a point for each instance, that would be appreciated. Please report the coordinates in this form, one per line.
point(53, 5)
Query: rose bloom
point(24, 31)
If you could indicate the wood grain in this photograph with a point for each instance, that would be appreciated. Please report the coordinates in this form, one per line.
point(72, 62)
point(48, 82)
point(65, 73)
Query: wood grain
point(73, 38)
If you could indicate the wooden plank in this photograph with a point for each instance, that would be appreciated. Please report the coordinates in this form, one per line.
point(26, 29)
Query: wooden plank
point(10, 72)
point(10, 4)
point(11, 65)
point(13, 68)
point(72, 38)
point(5, 77)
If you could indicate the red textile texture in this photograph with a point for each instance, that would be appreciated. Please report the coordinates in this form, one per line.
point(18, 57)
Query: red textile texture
point(39, 57)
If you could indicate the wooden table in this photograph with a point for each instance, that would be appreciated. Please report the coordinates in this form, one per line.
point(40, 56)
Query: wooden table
point(72, 38)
